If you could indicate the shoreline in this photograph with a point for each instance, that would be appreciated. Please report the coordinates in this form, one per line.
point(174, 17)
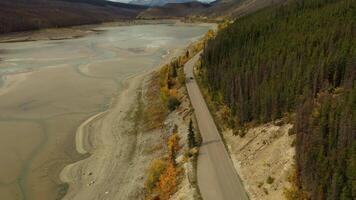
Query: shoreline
point(73, 32)
point(87, 140)
point(88, 143)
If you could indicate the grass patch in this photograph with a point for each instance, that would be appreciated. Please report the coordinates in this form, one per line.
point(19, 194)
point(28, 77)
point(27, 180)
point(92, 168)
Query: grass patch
point(155, 111)
point(62, 190)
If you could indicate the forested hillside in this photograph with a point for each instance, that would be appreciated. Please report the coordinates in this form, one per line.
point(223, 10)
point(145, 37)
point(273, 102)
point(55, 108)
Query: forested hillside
point(296, 58)
point(23, 15)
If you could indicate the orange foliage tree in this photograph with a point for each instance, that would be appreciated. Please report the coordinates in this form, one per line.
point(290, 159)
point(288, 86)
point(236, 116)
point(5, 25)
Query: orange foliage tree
point(168, 181)
point(173, 147)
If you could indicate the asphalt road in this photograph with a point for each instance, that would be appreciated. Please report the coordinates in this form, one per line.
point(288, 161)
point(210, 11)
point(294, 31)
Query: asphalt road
point(217, 178)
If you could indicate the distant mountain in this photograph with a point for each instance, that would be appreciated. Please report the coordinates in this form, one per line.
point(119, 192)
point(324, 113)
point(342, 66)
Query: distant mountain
point(216, 9)
point(157, 2)
point(236, 8)
point(22, 15)
point(174, 10)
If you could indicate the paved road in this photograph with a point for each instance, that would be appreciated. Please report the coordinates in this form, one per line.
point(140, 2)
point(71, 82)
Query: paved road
point(217, 178)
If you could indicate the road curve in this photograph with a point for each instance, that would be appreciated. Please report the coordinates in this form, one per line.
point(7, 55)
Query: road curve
point(217, 178)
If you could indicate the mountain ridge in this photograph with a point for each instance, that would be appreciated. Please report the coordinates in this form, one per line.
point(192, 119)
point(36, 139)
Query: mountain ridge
point(152, 3)
point(20, 15)
point(174, 10)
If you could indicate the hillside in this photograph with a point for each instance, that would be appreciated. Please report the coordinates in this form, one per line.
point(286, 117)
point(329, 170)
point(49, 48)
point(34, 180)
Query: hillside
point(22, 15)
point(174, 10)
point(295, 60)
point(215, 10)
point(237, 8)
point(157, 2)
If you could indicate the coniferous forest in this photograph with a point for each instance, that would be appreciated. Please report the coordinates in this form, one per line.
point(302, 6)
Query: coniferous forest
point(299, 58)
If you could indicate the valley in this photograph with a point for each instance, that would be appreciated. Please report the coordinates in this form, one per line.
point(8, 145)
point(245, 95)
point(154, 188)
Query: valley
point(177, 99)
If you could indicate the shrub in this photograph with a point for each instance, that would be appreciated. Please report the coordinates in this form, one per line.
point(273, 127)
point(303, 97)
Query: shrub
point(181, 76)
point(173, 103)
point(242, 132)
point(168, 181)
point(173, 147)
point(154, 172)
point(270, 180)
point(291, 131)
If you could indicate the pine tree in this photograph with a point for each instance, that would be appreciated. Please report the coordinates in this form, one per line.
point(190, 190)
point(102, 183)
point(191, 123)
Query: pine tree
point(296, 58)
point(174, 67)
point(191, 135)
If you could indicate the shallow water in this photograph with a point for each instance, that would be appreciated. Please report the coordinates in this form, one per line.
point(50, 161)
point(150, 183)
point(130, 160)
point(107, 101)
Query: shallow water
point(49, 87)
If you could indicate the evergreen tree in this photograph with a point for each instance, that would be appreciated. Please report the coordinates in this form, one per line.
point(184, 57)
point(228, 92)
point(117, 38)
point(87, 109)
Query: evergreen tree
point(191, 135)
point(174, 67)
point(298, 58)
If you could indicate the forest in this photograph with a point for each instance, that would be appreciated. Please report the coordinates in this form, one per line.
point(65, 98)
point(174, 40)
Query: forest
point(296, 59)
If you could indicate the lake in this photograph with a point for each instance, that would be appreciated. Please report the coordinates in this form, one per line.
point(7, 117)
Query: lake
point(48, 88)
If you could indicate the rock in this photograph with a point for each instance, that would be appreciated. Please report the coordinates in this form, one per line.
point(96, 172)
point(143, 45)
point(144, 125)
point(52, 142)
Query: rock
point(180, 159)
point(194, 150)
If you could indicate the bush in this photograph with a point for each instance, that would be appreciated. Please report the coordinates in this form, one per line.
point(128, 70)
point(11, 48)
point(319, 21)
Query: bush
point(291, 131)
point(270, 180)
point(173, 147)
point(241, 132)
point(173, 103)
point(168, 181)
point(156, 169)
point(62, 190)
point(181, 76)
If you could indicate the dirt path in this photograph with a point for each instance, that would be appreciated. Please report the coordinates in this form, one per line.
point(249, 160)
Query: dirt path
point(217, 178)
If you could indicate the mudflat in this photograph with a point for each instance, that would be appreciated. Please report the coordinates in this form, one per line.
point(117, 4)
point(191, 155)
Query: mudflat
point(50, 87)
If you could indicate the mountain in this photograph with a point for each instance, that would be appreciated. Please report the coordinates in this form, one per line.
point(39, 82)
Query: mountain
point(297, 61)
point(236, 8)
point(215, 10)
point(22, 15)
point(157, 2)
point(174, 10)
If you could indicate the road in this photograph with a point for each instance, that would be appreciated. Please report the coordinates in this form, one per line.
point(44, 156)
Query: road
point(217, 178)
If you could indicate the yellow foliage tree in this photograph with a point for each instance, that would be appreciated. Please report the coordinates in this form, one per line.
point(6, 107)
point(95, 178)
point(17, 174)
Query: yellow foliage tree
point(173, 92)
point(156, 169)
point(173, 147)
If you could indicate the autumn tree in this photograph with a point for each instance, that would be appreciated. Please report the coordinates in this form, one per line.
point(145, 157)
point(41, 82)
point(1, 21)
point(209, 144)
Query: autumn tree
point(173, 147)
point(168, 181)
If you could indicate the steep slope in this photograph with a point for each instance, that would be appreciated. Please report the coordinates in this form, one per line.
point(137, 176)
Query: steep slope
point(214, 10)
point(236, 8)
point(22, 15)
point(295, 58)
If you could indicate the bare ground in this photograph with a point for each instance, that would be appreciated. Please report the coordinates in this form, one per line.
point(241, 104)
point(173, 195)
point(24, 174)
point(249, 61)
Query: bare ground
point(187, 188)
point(121, 149)
point(264, 158)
